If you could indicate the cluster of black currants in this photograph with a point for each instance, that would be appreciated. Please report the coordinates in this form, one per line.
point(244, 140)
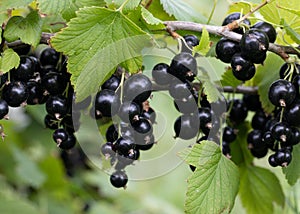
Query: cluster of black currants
point(252, 48)
point(42, 78)
point(278, 131)
point(133, 118)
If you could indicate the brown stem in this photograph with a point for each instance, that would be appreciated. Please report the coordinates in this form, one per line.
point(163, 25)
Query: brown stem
point(224, 31)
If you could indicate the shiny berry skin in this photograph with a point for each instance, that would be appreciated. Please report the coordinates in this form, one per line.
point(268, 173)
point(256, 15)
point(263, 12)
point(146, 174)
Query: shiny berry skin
point(191, 41)
point(149, 114)
point(242, 69)
point(259, 120)
point(238, 112)
point(254, 44)
point(296, 83)
point(69, 143)
point(205, 117)
point(267, 29)
point(282, 93)
point(226, 48)
point(49, 56)
point(57, 106)
point(283, 157)
point(187, 105)
point(295, 138)
point(118, 179)
point(226, 148)
point(252, 102)
point(35, 93)
point(51, 122)
point(137, 88)
point(123, 145)
point(269, 140)
point(107, 149)
point(112, 83)
point(229, 134)
point(292, 113)
point(281, 132)
point(60, 135)
point(184, 66)
point(4, 109)
point(143, 128)
point(107, 103)
point(254, 139)
point(286, 68)
point(15, 93)
point(235, 16)
point(186, 127)
point(160, 74)
point(111, 133)
point(54, 82)
point(129, 110)
point(180, 90)
point(272, 160)
point(25, 70)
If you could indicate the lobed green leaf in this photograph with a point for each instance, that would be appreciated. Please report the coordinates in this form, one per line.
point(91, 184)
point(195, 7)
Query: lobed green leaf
point(204, 43)
point(9, 59)
point(27, 29)
point(259, 190)
point(292, 171)
point(214, 185)
point(96, 42)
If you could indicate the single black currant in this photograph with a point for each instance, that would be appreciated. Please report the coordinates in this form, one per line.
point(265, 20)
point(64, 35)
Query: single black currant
point(160, 74)
point(252, 102)
point(186, 106)
point(180, 90)
point(15, 93)
point(118, 179)
point(226, 48)
point(292, 113)
point(54, 83)
point(123, 145)
point(35, 93)
point(183, 66)
point(283, 157)
point(242, 69)
point(233, 17)
point(149, 114)
point(51, 122)
point(259, 120)
point(282, 93)
point(267, 29)
point(112, 83)
point(4, 109)
point(107, 103)
point(137, 88)
point(69, 143)
point(238, 111)
point(49, 56)
point(128, 111)
point(57, 106)
point(191, 41)
point(107, 150)
point(111, 133)
point(229, 134)
point(25, 70)
point(272, 160)
point(186, 127)
point(281, 131)
point(254, 44)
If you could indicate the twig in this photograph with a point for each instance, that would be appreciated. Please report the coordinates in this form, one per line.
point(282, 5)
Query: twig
point(282, 51)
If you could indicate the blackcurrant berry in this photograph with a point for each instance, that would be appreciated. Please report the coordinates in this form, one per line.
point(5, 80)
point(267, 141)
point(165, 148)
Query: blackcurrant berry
point(107, 150)
point(118, 179)
point(281, 132)
point(282, 93)
point(160, 74)
point(15, 93)
point(180, 90)
point(128, 111)
point(111, 133)
point(149, 114)
point(229, 134)
point(292, 113)
point(283, 157)
point(242, 69)
point(252, 102)
point(107, 103)
point(267, 29)
point(183, 66)
point(35, 93)
point(186, 106)
point(259, 120)
point(137, 88)
point(55, 83)
point(60, 135)
point(191, 41)
point(186, 127)
point(69, 143)
point(238, 112)
point(254, 44)
point(3, 108)
point(51, 122)
point(272, 160)
point(57, 106)
point(225, 49)
point(123, 145)
point(112, 83)
point(49, 56)
point(25, 70)
point(235, 16)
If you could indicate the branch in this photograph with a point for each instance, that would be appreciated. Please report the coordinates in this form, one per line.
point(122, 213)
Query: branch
point(224, 31)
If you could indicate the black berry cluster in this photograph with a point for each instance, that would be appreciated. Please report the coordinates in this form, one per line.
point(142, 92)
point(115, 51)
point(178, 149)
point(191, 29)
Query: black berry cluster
point(42, 78)
point(133, 131)
point(251, 49)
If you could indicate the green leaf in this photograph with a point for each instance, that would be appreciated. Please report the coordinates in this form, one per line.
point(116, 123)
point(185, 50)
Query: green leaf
point(182, 11)
point(214, 185)
point(204, 44)
point(27, 170)
point(264, 77)
point(9, 60)
point(16, 205)
point(67, 7)
point(292, 171)
point(8, 4)
point(259, 189)
point(228, 79)
point(291, 32)
point(149, 18)
point(129, 5)
point(96, 42)
point(291, 10)
point(210, 88)
point(27, 29)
